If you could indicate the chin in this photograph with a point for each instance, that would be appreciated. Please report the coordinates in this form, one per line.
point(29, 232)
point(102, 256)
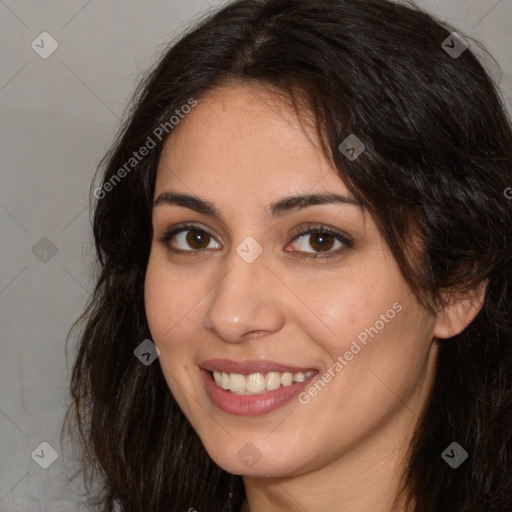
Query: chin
point(255, 461)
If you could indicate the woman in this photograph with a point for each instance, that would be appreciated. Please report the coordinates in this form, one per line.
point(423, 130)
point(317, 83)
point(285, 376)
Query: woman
point(304, 296)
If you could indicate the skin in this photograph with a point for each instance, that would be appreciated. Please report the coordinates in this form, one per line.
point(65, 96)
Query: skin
point(242, 148)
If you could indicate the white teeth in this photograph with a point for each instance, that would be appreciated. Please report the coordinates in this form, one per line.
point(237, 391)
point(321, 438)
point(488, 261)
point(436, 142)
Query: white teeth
point(236, 382)
point(257, 382)
point(287, 379)
point(273, 380)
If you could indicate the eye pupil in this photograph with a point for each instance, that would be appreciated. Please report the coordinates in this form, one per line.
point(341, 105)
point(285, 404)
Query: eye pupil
point(196, 239)
point(323, 241)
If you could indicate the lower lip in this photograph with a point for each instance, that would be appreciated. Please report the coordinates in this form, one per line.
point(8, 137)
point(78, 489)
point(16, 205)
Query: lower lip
point(251, 405)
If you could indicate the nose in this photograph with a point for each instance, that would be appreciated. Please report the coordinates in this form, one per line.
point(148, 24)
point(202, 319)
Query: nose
point(246, 302)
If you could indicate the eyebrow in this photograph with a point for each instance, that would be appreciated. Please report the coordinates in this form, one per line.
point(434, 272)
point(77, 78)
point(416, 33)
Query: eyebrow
point(275, 210)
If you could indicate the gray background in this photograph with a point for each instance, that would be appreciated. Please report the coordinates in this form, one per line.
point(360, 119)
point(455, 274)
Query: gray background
point(59, 115)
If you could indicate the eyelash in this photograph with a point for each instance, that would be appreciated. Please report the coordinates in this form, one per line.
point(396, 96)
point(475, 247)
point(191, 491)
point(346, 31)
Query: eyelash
point(344, 239)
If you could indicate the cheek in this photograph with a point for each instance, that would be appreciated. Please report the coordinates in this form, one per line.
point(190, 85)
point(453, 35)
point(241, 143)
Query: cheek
point(374, 323)
point(169, 301)
point(171, 318)
point(156, 301)
point(339, 308)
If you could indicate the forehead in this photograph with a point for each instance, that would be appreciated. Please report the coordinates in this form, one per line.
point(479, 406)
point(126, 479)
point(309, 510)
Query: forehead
point(245, 137)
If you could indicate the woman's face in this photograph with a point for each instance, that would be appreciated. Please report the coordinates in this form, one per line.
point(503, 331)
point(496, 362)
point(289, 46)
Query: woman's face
point(341, 355)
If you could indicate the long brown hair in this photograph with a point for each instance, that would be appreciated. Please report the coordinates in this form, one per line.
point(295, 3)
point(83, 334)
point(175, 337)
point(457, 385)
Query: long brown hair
point(438, 161)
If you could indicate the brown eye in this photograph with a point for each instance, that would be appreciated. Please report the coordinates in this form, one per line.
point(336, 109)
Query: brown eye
point(188, 239)
point(321, 241)
point(196, 238)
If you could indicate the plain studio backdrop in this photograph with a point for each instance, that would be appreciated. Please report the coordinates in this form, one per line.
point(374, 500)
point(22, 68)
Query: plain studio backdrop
point(68, 69)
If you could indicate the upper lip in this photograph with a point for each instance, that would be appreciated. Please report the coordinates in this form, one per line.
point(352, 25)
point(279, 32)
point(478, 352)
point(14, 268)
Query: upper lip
point(249, 366)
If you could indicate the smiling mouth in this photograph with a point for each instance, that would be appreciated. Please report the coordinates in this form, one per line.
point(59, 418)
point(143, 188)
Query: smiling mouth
point(258, 383)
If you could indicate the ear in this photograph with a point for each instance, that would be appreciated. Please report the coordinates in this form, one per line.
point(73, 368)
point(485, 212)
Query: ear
point(459, 311)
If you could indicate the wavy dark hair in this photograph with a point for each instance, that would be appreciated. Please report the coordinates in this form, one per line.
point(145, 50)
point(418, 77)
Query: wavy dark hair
point(438, 161)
